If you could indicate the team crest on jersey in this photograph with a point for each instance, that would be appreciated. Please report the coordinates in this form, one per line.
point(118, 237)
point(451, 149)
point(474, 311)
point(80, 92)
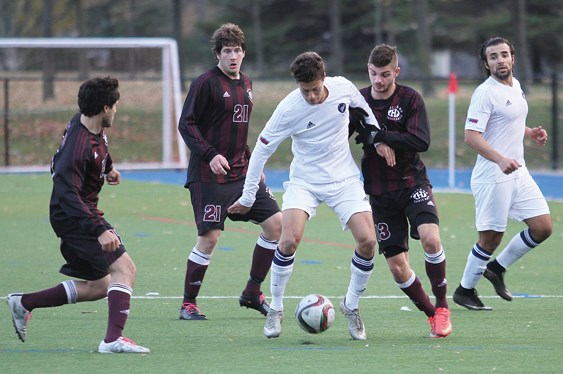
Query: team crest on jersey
point(249, 93)
point(420, 195)
point(341, 107)
point(395, 113)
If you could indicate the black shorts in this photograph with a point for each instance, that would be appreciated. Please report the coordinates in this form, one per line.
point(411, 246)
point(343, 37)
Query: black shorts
point(394, 211)
point(85, 258)
point(211, 200)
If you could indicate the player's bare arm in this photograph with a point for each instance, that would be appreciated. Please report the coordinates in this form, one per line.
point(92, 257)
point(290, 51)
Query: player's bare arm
point(475, 140)
point(386, 152)
point(219, 165)
point(538, 134)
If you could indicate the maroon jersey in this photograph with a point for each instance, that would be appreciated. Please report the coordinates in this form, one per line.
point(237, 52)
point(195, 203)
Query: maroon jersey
point(78, 170)
point(214, 121)
point(408, 132)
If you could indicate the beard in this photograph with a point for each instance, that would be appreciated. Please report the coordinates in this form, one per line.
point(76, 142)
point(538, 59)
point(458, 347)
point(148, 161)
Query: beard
point(106, 122)
point(504, 74)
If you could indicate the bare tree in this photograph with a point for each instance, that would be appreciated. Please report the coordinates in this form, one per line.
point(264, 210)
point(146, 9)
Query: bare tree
point(424, 46)
point(336, 31)
point(520, 16)
point(48, 63)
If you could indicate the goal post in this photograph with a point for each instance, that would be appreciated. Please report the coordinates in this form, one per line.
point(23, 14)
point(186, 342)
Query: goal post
point(40, 80)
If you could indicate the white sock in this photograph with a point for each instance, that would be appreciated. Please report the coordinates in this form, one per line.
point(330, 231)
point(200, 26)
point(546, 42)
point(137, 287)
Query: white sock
point(361, 270)
point(282, 267)
point(520, 244)
point(475, 267)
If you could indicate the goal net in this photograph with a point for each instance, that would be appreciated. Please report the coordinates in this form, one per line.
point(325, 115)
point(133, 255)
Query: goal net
point(39, 81)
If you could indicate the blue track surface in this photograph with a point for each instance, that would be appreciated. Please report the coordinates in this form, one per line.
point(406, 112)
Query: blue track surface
point(551, 184)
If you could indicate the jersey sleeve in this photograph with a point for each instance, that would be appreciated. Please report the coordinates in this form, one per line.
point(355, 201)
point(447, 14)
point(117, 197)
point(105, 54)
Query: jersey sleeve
point(274, 133)
point(416, 138)
point(479, 111)
point(199, 95)
point(68, 174)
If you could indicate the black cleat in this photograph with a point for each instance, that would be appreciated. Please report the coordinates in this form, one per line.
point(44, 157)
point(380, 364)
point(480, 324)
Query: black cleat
point(469, 299)
point(190, 311)
point(497, 281)
point(255, 302)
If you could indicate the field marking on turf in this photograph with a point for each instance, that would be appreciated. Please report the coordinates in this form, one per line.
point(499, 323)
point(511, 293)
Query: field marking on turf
point(158, 297)
point(243, 231)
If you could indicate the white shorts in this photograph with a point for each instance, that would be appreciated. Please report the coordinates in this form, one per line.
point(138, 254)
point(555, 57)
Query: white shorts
point(345, 198)
point(519, 198)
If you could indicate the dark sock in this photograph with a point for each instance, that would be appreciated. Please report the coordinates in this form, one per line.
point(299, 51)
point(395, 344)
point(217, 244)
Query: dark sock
point(420, 299)
point(118, 311)
point(55, 296)
point(261, 263)
point(193, 280)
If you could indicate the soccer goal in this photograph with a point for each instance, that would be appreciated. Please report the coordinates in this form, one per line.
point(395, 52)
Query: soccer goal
point(39, 80)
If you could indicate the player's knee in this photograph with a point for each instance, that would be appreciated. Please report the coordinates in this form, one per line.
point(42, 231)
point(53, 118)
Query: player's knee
point(431, 244)
point(366, 245)
point(288, 246)
point(542, 233)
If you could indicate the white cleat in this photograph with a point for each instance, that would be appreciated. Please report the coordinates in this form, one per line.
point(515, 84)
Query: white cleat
point(272, 327)
point(122, 345)
point(20, 316)
point(355, 325)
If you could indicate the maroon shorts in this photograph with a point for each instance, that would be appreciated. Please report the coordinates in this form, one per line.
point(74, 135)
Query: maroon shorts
point(211, 200)
point(85, 258)
point(393, 212)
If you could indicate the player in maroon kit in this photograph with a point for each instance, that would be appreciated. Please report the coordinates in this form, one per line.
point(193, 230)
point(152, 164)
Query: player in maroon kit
point(400, 192)
point(92, 248)
point(214, 125)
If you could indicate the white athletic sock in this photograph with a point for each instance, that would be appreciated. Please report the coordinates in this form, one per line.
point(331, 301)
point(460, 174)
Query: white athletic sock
point(475, 267)
point(361, 270)
point(282, 267)
point(520, 244)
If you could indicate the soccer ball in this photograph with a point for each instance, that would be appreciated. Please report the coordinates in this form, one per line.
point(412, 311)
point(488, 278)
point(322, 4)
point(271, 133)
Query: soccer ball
point(314, 313)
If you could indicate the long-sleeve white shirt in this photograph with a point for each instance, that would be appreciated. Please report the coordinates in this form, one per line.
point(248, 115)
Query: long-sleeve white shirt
point(319, 134)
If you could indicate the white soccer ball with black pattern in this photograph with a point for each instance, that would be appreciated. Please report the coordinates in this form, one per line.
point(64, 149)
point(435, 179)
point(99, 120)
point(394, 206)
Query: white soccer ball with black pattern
point(315, 313)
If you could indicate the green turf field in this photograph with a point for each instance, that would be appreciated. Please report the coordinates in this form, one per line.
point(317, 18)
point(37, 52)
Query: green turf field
point(155, 223)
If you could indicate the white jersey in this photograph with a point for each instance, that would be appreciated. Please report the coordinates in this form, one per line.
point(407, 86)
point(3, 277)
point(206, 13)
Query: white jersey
point(499, 112)
point(319, 134)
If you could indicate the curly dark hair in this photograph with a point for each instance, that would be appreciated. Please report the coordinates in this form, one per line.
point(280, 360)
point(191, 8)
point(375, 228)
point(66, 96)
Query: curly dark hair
point(308, 67)
point(229, 35)
point(95, 93)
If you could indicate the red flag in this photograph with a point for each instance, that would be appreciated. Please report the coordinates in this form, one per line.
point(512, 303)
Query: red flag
point(452, 87)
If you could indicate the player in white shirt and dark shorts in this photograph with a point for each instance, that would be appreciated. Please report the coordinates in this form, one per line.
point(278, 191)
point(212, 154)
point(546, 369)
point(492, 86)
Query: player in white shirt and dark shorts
point(315, 117)
point(500, 182)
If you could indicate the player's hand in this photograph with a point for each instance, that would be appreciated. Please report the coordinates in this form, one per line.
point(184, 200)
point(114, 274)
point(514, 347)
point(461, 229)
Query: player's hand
point(368, 133)
point(508, 165)
point(387, 153)
point(539, 135)
point(219, 165)
point(113, 177)
point(109, 241)
point(238, 208)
